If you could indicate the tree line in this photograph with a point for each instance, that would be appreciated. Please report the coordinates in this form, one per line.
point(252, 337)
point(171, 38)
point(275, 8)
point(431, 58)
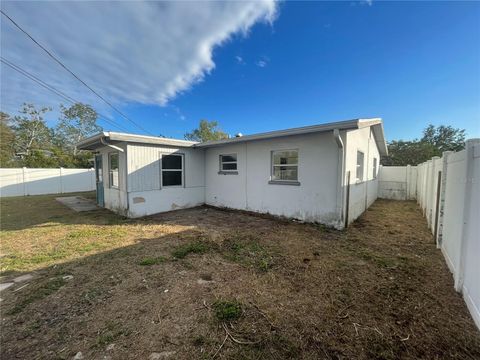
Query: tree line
point(26, 140)
point(434, 142)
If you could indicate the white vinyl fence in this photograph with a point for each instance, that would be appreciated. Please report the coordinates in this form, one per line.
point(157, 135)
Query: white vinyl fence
point(448, 191)
point(397, 182)
point(25, 181)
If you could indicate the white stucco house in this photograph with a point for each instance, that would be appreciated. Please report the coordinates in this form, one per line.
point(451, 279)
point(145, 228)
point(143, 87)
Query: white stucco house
point(322, 173)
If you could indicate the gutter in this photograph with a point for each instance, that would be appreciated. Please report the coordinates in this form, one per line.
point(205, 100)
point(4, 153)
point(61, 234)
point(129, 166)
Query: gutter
point(340, 177)
point(104, 142)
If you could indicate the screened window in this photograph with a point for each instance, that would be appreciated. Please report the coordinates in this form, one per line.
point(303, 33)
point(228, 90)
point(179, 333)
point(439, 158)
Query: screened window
point(360, 157)
point(113, 169)
point(285, 165)
point(172, 170)
point(228, 163)
point(374, 168)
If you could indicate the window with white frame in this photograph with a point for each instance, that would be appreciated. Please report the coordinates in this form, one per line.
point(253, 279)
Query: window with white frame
point(228, 163)
point(374, 168)
point(172, 170)
point(113, 169)
point(359, 172)
point(285, 165)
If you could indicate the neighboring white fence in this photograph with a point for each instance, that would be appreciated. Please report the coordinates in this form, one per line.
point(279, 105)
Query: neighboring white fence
point(448, 191)
point(24, 181)
point(397, 182)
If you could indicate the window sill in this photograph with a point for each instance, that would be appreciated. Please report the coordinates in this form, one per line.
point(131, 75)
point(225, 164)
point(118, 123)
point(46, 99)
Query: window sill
point(284, 182)
point(228, 173)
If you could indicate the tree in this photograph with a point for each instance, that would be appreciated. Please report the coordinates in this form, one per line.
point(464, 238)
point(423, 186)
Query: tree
point(434, 142)
point(444, 138)
point(31, 130)
point(76, 123)
point(7, 140)
point(207, 131)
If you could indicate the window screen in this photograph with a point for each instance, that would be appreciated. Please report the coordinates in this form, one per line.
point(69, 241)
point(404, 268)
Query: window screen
point(374, 168)
point(113, 169)
point(172, 170)
point(360, 157)
point(285, 165)
point(228, 162)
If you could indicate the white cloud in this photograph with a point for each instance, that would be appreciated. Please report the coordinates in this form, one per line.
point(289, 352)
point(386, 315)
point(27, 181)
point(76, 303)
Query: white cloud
point(367, 2)
point(240, 60)
point(261, 63)
point(129, 52)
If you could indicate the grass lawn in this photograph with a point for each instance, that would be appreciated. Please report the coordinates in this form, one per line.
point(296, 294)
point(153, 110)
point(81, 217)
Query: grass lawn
point(206, 283)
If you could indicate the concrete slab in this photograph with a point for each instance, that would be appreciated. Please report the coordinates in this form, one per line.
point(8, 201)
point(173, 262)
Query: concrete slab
point(77, 203)
point(6, 285)
point(21, 278)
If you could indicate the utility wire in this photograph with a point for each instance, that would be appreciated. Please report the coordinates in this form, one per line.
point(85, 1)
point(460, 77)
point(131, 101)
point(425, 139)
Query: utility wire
point(54, 90)
point(72, 73)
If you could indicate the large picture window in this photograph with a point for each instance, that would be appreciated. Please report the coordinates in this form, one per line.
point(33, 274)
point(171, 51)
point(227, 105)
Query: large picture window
point(113, 169)
point(172, 170)
point(285, 165)
point(228, 163)
point(360, 158)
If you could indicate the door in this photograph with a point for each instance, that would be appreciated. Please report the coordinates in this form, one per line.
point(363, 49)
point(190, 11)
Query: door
point(99, 179)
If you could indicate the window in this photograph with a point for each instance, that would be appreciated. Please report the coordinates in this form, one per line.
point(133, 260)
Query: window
point(360, 157)
point(228, 163)
point(374, 168)
point(113, 169)
point(172, 170)
point(285, 166)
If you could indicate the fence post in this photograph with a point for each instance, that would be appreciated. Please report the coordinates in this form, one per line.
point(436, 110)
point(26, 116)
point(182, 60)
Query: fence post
point(469, 147)
point(443, 189)
point(408, 180)
point(23, 181)
point(61, 180)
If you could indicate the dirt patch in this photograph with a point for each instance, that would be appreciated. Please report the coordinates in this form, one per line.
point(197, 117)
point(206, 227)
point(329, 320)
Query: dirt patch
point(205, 283)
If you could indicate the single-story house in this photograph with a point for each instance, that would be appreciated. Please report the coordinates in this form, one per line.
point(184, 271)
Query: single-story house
point(322, 173)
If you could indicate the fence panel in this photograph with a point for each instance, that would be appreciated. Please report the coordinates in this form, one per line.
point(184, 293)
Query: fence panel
point(25, 181)
point(448, 191)
point(397, 182)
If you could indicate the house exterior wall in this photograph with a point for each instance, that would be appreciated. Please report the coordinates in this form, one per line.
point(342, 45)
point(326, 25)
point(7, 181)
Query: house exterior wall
point(146, 195)
point(362, 193)
point(115, 198)
point(313, 200)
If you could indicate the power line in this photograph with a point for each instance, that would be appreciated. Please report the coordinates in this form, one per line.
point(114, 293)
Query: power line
point(54, 90)
point(72, 73)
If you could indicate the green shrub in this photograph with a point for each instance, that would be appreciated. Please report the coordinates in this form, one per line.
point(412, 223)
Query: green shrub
point(191, 248)
point(227, 310)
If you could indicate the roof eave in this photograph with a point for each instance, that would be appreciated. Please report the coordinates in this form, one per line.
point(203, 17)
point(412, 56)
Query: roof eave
point(341, 125)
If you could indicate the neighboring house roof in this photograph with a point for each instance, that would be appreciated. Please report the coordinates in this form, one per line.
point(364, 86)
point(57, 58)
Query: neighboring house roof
point(98, 140)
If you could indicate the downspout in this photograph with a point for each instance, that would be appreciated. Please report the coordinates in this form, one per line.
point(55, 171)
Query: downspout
point(340, 177)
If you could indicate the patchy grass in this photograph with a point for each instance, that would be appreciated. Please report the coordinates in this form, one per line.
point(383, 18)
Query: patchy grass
point(40, 293)
point(248, 251)
point(111, 333)
point(196, 247)
point(227, 310)
point(380, 290)
point(152, 261)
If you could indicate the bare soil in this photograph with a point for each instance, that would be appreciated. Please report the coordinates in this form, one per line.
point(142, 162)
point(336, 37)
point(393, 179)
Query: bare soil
point(207, 283)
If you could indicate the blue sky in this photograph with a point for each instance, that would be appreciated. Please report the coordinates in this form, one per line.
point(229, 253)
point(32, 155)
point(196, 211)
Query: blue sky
point(299, 63)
